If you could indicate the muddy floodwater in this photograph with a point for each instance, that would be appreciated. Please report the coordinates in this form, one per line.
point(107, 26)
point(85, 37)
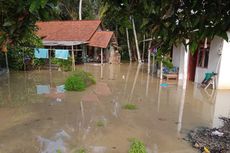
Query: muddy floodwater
point(38, 116)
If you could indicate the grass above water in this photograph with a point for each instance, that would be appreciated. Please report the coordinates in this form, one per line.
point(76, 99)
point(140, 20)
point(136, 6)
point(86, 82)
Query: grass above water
point(137, 147)
point(81, 151)
point(79, 80)
point(130, 106)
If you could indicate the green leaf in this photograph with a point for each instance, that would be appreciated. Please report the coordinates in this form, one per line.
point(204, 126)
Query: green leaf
point(223, 35)
point(193, 47)
point(43, 3)
point(34, 6)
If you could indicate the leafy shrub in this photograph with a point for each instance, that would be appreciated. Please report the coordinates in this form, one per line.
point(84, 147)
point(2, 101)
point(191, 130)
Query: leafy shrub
point(75, 83)
point(79, 81)
point(81, 151)
point(130, 106)
point(137, 147)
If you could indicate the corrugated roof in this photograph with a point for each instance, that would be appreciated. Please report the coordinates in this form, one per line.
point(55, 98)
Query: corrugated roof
point(67, 30)
point(101, 39)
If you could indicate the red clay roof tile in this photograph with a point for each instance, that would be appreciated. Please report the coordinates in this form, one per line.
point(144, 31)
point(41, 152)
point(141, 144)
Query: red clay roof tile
point(68, 30)
point(101, 39)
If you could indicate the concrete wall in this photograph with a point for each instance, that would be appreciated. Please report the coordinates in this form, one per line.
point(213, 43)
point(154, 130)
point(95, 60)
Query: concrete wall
point(224, 72)
point(214, 59)
point(180, 59)
point(221, 108)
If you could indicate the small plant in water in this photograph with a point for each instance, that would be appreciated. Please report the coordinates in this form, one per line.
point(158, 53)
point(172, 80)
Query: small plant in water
point(81, 151)
point(130, 106)
point(100, 123)
point(79, 80)
point(137, 147)
point(58, 151)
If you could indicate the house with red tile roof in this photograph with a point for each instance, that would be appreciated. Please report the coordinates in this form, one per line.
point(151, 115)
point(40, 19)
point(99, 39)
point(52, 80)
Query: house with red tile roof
point(85, 38)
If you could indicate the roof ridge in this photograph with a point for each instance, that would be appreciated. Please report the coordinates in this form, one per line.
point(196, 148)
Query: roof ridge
point(68, 21)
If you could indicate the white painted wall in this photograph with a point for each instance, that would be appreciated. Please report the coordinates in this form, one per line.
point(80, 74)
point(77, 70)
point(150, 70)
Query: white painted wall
point(180, 59)
point(214, 58)
point(224, 72)
point(221, 108)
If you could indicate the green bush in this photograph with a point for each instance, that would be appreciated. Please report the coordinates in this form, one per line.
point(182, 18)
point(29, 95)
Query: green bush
point(79, 81)
point(137, 147)
point(81, 151)
point(75, 83)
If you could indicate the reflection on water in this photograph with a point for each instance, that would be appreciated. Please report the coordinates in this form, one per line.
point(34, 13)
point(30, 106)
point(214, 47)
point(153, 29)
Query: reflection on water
point(56, 144)
point(34, 106)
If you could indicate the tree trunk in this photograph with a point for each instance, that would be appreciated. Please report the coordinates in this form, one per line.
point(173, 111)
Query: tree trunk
point(128, 43)
point(136, 42)
point(80, 10)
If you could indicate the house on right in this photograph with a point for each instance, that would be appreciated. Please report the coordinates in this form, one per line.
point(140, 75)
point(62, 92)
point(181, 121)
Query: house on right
point(215, 57)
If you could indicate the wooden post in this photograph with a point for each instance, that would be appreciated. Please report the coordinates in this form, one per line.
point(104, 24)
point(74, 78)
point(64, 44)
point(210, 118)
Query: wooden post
point(128, 43)
point(7, 64)
point(101, 56)
point(161, 70)
point(149, 56)
point(136, 42)
point(49, 51)
point(73, 60)
point(143, 52)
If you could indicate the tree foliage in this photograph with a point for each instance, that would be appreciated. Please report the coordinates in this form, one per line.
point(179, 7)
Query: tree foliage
point(18, 18)
point(68, 9)
point(174, 21)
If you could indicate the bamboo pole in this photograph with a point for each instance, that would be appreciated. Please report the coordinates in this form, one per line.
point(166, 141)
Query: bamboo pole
point(128, 43)
point(136, 42)
point(80, 10)
point(149, 56)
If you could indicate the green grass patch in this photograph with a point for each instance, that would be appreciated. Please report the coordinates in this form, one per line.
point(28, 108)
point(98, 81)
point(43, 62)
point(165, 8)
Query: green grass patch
point(130, 106)
point(79, 80)
point(81, 151)
point(137, 147)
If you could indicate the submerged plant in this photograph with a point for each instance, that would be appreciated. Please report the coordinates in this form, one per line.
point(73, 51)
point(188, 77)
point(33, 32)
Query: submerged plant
point(130, 106)
point(137, 147)
point(79, 81)
point(81, 151)
point(100, 123)
point(58, 151)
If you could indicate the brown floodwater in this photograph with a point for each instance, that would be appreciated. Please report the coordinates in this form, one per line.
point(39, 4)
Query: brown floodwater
point(38, 116)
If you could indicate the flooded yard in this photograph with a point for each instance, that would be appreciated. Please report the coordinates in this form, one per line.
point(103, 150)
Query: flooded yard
point(38, 116)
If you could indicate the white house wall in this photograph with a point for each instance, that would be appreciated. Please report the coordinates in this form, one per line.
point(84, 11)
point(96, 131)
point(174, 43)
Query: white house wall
point(224, 72)
point(214, 58)
point(222, 106)
point(180, 59)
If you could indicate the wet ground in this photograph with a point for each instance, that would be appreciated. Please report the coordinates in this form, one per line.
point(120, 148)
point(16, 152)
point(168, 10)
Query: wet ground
point(38, 116)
